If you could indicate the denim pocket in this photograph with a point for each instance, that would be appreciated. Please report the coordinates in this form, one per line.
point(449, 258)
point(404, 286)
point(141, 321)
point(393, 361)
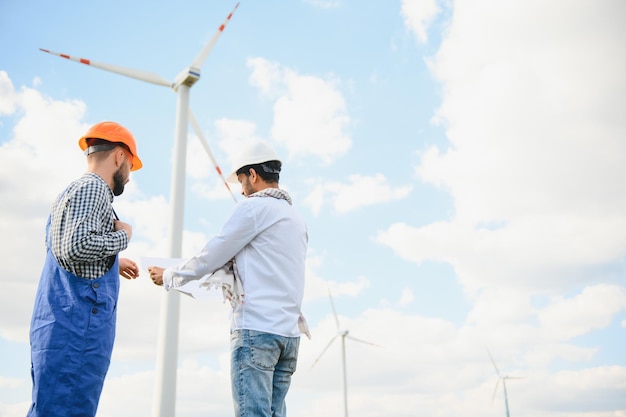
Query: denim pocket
point(264, 350)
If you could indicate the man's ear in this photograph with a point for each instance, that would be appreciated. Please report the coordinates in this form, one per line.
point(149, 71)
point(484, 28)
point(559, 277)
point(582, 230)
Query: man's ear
point(253, 175)
point(120, 155)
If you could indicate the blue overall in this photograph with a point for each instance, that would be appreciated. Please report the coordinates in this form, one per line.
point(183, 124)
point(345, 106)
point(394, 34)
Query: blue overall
point(71, 337)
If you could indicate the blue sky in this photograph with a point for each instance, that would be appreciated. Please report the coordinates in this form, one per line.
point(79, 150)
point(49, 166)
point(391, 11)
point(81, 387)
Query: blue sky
point(460, 166)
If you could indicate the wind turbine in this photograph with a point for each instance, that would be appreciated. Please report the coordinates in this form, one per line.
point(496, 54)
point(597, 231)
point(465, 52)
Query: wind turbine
point(503, 379)
point(167, 353)
point(343, 334)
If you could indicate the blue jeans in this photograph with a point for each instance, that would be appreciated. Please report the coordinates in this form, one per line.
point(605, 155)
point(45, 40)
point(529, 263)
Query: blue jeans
point(260, 371)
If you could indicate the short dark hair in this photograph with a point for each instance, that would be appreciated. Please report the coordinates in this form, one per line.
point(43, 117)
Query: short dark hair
point(102, 147)
point(269, 171)
point(99, 142)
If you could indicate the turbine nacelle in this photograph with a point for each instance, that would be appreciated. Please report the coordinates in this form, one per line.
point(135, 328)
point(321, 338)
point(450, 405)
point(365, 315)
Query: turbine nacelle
point(187, 77)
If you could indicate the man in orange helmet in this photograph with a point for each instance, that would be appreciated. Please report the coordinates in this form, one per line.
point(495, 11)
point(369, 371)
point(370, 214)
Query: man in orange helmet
point(73, 323)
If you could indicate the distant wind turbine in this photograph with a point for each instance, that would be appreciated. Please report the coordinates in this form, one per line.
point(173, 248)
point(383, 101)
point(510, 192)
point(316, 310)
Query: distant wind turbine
point(503, 379)
point(343, 334)
point(167, 354)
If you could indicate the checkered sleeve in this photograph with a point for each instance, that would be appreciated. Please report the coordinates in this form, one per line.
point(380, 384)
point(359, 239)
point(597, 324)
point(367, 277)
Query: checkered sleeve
point(83, 235)
point(91, 236)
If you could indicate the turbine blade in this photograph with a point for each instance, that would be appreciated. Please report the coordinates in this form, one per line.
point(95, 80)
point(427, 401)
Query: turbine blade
point(493, 362)
point(204, 53)
point(362, 341)
point(205, 145)
point(333, 306)
point(325, 349)
point(495, 390)
point(146, 76)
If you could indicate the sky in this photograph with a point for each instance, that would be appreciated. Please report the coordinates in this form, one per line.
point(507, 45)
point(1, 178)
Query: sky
point(461, 167)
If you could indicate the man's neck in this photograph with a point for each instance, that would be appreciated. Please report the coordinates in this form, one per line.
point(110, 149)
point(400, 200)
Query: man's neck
point(102, 173)
point(265, 185)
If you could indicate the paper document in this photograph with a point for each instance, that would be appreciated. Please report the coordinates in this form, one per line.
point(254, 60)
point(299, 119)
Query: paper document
point(196, 289)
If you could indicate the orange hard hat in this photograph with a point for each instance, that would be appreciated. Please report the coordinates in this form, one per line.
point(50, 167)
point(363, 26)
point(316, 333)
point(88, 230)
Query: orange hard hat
point(113, 132)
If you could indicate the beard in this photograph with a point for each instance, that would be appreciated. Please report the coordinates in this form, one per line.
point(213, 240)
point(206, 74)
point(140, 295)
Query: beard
point(246, 187)
point(119, 180)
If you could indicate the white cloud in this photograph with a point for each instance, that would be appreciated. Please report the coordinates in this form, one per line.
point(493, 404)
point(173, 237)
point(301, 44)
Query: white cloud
point(418, 14)
point(532, 125)
point(9, 382)
point(358, 192)
point(199, 164)
point(406, 298)
point(7, 94)
point(592, 309)
point(310, 116)
point(319, 287)
point(542, 356)
point(512, 306)
point(267, 76)
point(589, 392)
point(535, 147)
point(539, 253)
point(204, 166)
point(233, 135)
point(214, 189)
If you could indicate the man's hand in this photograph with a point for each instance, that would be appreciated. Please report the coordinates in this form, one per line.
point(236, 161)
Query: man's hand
point(120, 225)
point(156, 274)
point(128, 268)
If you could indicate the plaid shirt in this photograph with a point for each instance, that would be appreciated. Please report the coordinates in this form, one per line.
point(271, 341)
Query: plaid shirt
point(81, 228)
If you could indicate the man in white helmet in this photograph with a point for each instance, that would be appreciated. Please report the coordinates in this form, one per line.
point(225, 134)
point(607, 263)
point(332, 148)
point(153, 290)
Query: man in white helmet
point(268, 240)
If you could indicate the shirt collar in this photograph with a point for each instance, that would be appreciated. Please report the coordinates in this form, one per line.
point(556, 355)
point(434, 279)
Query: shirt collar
point(98, 177)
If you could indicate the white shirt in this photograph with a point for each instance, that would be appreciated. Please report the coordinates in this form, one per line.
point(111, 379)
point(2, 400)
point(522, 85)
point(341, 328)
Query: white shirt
point(268, 239)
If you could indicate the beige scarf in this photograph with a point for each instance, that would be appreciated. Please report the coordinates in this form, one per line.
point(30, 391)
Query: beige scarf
point(273, 192)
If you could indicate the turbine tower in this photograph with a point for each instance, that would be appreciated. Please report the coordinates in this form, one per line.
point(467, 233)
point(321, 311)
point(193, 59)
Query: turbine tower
point(167, 351)
point(503, 379)
point(343, 334)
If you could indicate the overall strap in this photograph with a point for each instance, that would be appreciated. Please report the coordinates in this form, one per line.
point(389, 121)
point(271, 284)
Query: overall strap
point(48, 237)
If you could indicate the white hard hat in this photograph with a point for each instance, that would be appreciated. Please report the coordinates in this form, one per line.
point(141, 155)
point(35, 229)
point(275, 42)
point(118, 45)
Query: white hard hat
point(254, 153)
